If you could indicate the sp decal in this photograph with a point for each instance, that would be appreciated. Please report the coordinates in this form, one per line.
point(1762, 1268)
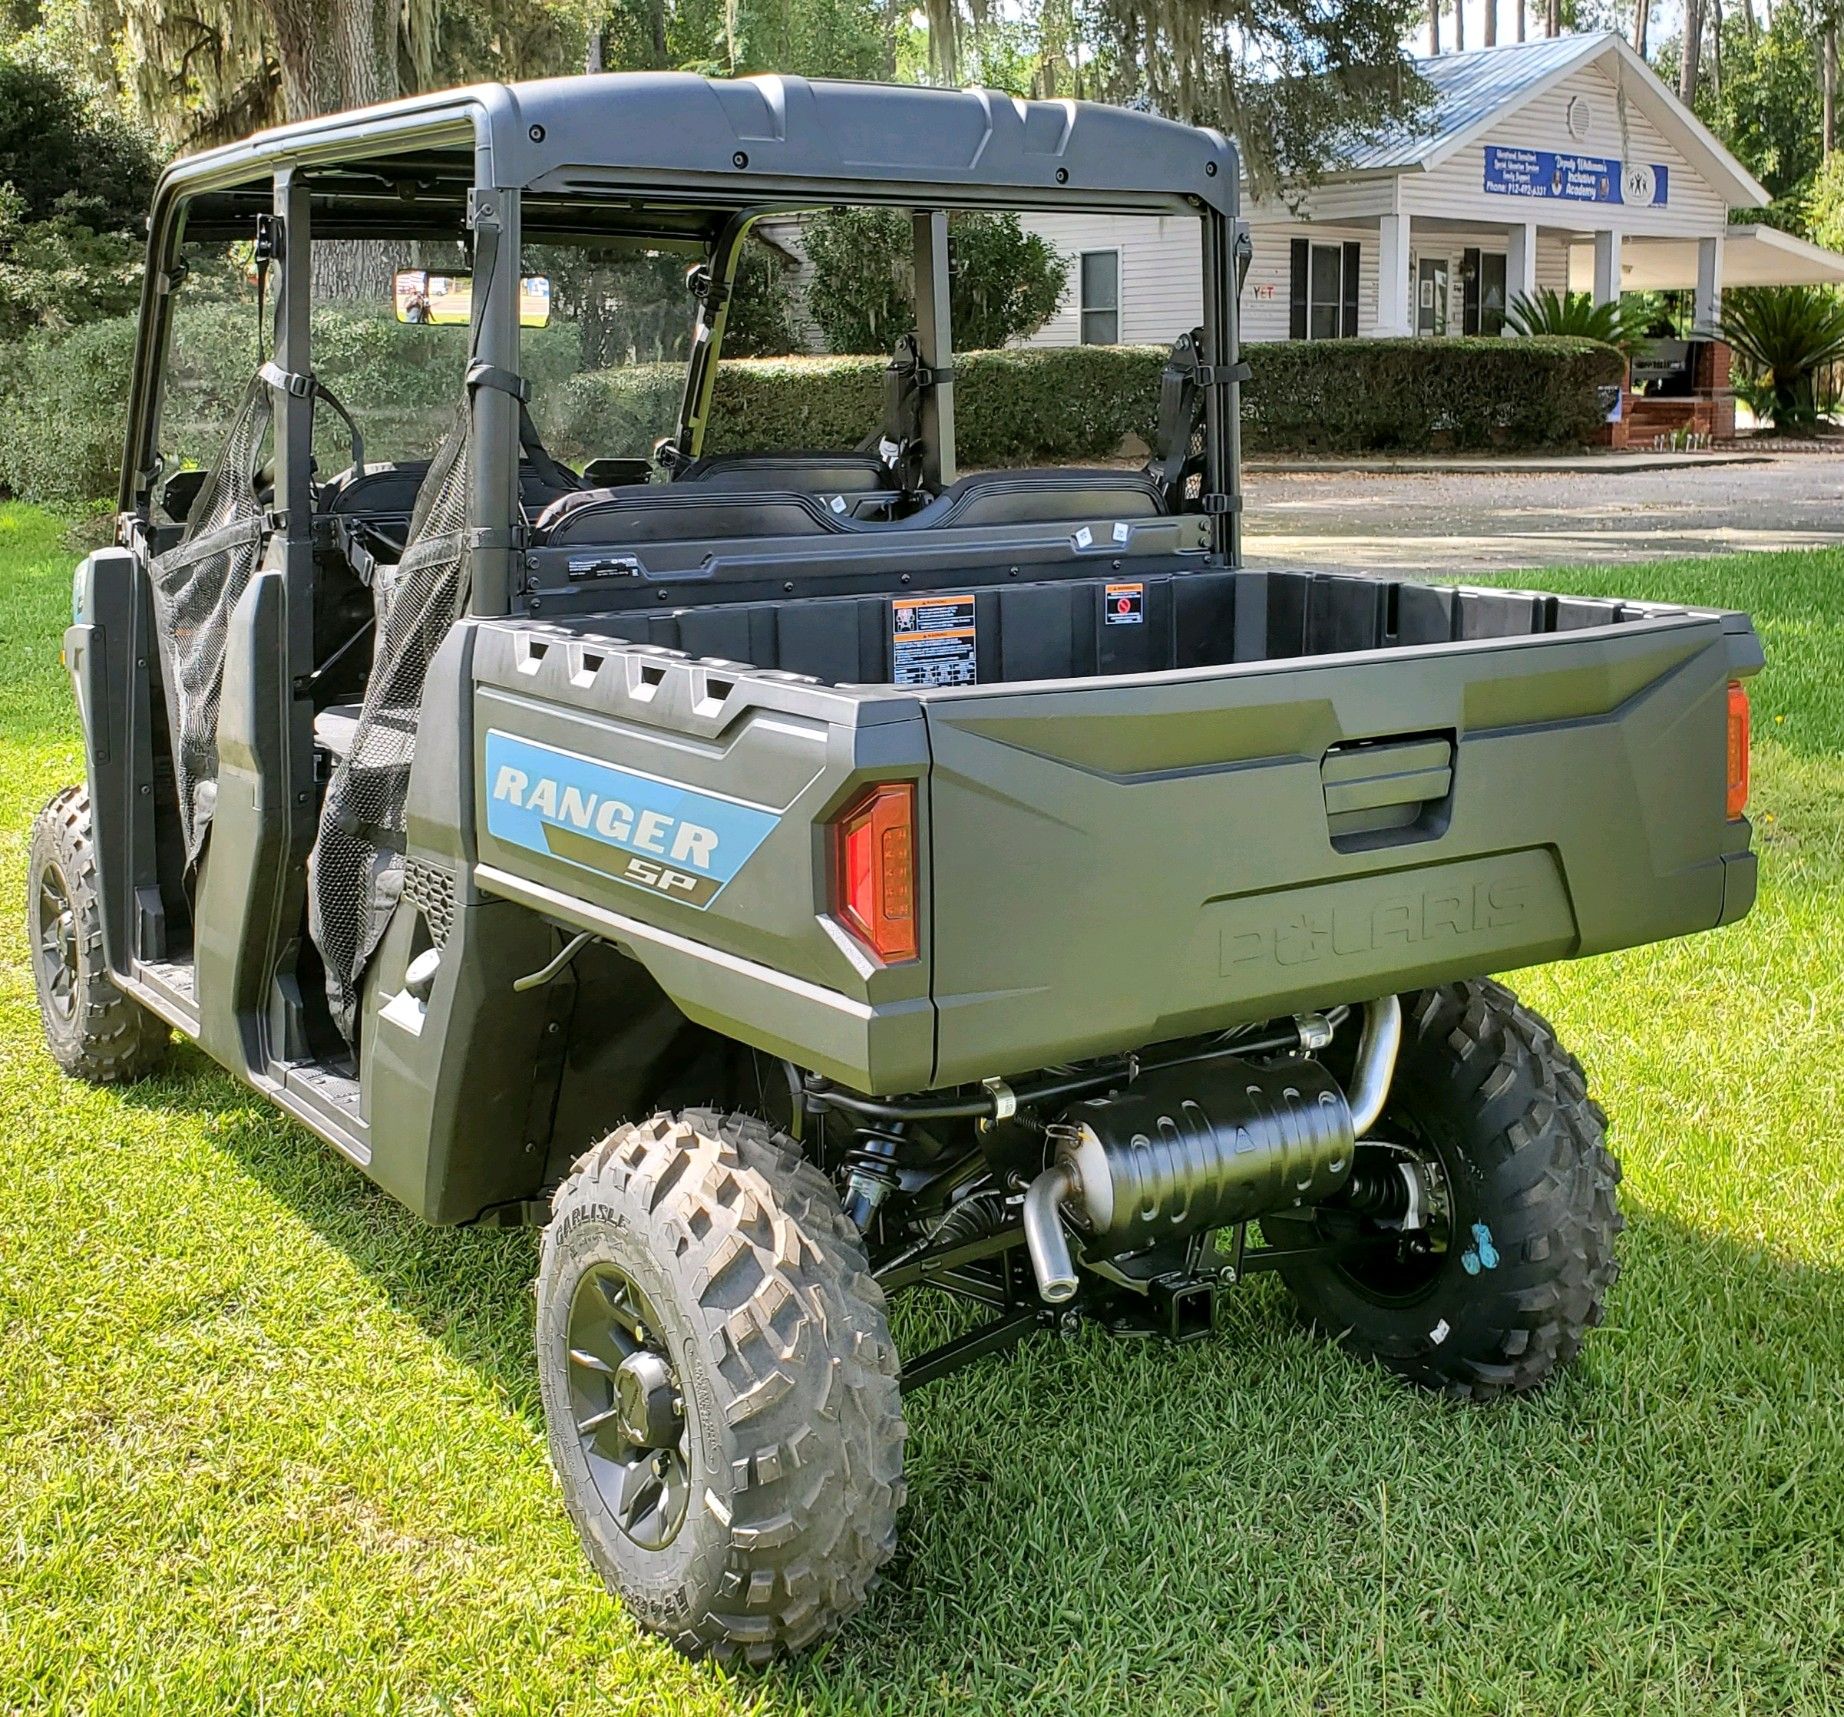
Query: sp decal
point(658, 835)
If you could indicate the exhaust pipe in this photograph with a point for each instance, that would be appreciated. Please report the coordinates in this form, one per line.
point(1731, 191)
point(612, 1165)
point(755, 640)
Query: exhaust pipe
point(1044, 1237)
point(1189, 1149)
point(1377, 1049)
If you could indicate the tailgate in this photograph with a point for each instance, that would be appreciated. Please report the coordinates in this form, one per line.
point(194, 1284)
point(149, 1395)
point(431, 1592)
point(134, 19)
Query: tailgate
point(1119, 862)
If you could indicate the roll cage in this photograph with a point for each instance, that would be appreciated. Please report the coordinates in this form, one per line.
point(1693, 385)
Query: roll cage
point(686, 159)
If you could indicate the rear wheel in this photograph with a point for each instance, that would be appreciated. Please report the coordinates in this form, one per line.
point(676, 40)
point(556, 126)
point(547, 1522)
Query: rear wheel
point(1483, 1279)
point(92, 1030)
point(720, 1385)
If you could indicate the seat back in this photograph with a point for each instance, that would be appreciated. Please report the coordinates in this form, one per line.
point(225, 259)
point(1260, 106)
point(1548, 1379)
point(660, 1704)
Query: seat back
point(1034, 497)
point(813, 473)
point(669, 513)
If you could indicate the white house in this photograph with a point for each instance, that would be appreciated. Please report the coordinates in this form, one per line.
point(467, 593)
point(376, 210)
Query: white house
point(1562, 162)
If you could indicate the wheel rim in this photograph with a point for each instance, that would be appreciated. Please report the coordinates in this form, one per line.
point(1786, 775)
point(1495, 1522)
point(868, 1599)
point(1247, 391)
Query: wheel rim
point(55, 944)
point(1388, 1266)
point(627, 1407)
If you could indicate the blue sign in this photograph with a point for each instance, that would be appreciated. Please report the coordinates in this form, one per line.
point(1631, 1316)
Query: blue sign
point(669, 839)
point(1575, 178)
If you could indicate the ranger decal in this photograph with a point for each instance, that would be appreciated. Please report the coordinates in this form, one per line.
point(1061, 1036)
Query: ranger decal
point(658, 835)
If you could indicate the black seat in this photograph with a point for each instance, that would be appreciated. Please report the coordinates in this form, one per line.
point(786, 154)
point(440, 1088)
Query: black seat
point(673, 513)
point(813, 473)
point(669, 513)
point(1039, 497)
point(388, 491)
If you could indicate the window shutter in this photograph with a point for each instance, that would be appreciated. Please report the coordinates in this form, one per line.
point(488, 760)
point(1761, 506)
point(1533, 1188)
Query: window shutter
point(1348, 320)
point(1469, 291)
point(1296, 291)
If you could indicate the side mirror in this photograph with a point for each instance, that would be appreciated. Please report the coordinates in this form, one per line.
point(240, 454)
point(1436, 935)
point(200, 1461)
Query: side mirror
point(437, 300)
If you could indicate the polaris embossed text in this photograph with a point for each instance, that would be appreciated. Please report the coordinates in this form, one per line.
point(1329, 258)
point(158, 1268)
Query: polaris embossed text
point(1336, 930)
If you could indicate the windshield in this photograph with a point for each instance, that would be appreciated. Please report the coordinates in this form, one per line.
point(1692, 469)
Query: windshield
point(608, 373)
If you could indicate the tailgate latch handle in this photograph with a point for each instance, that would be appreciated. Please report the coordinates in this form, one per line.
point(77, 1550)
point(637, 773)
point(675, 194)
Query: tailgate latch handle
point(1382, 791)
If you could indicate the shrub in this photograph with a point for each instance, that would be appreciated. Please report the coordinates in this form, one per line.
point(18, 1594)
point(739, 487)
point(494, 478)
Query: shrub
point(56, 147)
point(62, 399)
point(1622, 322)
point(1003, 282)
point(63, 406)
point(59, 272)
point(1078, 402)
point(1784, 336)
point(1009, 407)
point(1353, 396)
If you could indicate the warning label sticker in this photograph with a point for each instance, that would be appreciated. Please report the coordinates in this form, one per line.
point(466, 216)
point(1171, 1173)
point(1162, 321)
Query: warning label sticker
point(934, 641)
point(1124, 605)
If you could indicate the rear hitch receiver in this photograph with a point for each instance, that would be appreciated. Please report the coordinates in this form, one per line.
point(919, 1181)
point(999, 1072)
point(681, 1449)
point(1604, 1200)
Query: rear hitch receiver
point(1186, 1150)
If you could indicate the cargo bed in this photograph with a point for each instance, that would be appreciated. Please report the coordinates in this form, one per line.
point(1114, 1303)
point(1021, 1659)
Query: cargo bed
point(1245, 794)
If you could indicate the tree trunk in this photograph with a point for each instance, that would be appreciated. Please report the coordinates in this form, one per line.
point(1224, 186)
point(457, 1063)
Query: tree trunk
point(656, 32)
point(1491, 23)
point(1553, 19)
point(1716, 48)
point(943, 41)
point(1459, 26)
point(1434, 29)
point(592, 49)
point(894, 16)
point(1690, 61)
point(1642, 22)
point(337, 54)
point(1830, 88)
point(1748, 23)
point(1520, 20)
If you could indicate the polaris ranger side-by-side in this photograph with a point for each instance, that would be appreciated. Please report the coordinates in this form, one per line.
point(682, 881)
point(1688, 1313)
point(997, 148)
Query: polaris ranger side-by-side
point(799, 875)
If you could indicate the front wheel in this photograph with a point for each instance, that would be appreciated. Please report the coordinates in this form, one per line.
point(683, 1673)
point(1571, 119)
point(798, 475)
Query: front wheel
point(92, 1030)
point(720, 1385)
point(1506, 1254)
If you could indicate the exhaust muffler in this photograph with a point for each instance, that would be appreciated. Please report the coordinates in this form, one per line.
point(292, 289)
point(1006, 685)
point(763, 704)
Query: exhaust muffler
point(1191, 1148)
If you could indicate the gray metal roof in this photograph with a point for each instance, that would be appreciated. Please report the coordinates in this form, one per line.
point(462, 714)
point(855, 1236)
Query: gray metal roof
point(1468, 89)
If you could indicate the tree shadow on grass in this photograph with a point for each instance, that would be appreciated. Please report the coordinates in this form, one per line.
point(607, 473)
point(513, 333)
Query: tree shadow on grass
point(1099, 1524)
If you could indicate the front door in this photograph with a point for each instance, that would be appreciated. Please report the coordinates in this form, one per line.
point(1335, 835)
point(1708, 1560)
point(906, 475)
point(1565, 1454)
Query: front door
point(1431, 296)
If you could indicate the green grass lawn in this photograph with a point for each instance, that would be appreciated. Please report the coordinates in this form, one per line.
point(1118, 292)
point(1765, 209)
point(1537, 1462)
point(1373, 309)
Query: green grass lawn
point(269, 1445)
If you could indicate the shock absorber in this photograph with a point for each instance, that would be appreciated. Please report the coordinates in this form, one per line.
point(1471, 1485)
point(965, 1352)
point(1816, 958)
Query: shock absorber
point(869, 1167)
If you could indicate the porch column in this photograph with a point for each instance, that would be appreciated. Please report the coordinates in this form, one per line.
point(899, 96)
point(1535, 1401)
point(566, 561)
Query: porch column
point(1520, 265)
point(1395, 300)
point(1708, 312)
point(1606, 267)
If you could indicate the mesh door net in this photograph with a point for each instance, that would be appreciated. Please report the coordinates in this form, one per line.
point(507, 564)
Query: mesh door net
point(195, 586)
point(355, 873)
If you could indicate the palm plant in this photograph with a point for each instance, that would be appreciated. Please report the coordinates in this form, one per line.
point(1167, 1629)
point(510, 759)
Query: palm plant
point(1621, 323)
point(1784, 336)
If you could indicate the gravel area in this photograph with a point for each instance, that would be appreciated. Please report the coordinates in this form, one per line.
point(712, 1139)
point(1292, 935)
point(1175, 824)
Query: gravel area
point(1456, 519)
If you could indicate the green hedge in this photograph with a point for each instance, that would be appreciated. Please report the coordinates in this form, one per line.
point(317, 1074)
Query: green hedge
point(1043, 404)
point(62, 400)
point(1359, 396)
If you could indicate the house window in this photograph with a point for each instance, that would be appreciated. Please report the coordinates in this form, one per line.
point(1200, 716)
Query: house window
point(1323, 291)
point(1482, 273)
point(1099, 299)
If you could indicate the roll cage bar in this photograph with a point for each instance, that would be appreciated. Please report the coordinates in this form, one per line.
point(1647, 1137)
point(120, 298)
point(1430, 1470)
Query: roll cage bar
point(695, 160)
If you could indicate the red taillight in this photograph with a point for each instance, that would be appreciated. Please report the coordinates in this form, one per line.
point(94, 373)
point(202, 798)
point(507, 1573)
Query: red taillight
point(1738, 749)
point(874, 871)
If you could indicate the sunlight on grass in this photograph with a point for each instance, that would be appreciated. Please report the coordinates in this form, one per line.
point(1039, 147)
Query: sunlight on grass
point(272, 1445)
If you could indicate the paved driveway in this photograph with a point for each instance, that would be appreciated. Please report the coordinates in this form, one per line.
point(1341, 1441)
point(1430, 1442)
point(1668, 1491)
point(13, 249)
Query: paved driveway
point(1451, 520)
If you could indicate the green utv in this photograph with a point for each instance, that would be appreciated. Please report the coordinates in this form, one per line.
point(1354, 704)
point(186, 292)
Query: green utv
point(795, 876)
